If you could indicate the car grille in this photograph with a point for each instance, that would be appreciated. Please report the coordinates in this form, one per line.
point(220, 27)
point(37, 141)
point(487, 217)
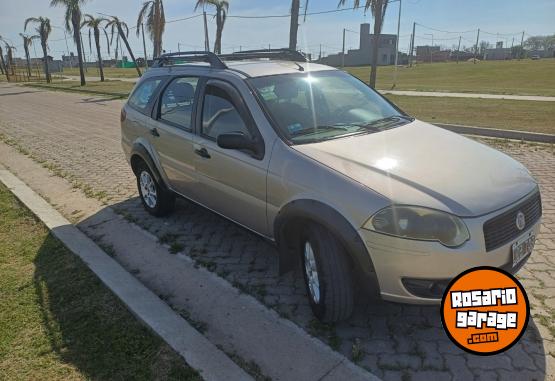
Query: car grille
point(502, 229)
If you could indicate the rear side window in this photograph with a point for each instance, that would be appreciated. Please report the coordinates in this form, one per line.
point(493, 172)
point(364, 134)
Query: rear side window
point(142, 95)
point(219, 115)
point(178, 101)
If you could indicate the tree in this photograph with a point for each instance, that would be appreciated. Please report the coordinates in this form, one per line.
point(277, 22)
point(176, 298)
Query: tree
point(123, 32)
point(94, 27)
point(378, 8)
point(9, 54)
point(73, 25)
point(222, 7)
point(3, 67)
point(27, 42)
point(294, 27)
point(155, 23)
point(43, 30)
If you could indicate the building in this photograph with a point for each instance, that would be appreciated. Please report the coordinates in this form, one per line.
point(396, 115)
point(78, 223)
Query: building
point(427, 53)
point(363, 55)
point(498, 53)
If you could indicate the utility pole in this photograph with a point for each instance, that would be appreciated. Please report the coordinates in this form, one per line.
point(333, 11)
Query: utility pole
point(343, 50)
point(476, 47)
point(397, 47)
point(320, 55)
point(459, 49)
point(206, 42)
point(521, 46)
point(412, 43)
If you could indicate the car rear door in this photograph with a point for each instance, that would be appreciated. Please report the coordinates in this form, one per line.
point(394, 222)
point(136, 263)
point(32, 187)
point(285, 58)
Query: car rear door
point(172, 133)
point(231, 182)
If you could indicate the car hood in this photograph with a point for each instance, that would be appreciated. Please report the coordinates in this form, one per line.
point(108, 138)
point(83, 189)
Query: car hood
point(421, 164)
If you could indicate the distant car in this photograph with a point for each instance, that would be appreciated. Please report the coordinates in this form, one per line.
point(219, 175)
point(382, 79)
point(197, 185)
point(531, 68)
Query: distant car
point(345, 183)
point(535, 57)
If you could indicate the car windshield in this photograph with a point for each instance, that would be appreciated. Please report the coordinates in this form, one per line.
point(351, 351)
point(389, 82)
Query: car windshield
point(325, 105)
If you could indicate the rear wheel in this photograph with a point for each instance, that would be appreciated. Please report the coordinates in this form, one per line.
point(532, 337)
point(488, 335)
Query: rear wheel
point(327, 275)
point(156, 198)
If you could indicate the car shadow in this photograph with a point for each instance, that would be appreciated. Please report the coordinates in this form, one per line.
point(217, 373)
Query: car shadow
point(388, 339)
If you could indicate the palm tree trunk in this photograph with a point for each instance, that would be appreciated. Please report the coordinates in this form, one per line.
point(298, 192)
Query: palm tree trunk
point(45, 58)
point(294, 27)
point(219, 27)
point(99, 56)
point(10, 60)
point(157, 15)
point(28, 60)
point(3, 64)
point(375, 46)
point(77, 40)
point(120, 31)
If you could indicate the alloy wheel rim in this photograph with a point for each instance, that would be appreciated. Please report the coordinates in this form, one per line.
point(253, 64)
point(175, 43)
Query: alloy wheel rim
point(311, 272)
point(148, 189)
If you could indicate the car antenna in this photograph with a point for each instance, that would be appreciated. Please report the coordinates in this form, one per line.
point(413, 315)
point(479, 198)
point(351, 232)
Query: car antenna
point(299, 66)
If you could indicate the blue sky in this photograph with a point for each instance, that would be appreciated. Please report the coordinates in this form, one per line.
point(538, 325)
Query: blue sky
point(506, 17)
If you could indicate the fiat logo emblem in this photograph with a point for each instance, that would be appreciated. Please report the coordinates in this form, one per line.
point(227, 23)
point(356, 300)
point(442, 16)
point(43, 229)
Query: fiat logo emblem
point(520, 221)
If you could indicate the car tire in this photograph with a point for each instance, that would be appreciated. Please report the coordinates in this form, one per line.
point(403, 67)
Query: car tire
point(155, 197)
point(327, 275)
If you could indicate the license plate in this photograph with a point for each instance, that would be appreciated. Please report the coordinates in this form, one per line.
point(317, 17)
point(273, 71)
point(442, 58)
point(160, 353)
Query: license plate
point(522, 248)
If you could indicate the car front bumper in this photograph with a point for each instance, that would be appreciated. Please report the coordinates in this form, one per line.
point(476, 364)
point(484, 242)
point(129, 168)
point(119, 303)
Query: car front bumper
point(404, 265)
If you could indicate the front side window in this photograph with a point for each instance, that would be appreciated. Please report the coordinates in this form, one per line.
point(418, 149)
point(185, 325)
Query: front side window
point(219, 115)
point(177, 102)
point(325, 105)
point(142, 95)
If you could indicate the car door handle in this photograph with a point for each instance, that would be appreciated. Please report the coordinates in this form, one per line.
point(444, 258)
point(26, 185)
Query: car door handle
point(154, 132)
point(202, 152)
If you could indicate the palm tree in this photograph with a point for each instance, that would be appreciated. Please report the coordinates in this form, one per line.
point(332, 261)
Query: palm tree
point(123, 31)
point(378, 8)
point(222, 7)
point(27, 42)
point(73, 24)
point(9, 53)
point(94, 26)
point(43, 29)
point(3, 67)
point(155, 23)
point(294, 27)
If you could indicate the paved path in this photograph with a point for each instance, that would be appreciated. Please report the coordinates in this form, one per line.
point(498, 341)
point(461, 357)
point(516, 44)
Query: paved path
point(538, 98)
point(390, 340)
point(468, 95)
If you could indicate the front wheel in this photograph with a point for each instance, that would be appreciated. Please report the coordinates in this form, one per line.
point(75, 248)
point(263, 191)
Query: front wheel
point(327, 275)
point(155, 197)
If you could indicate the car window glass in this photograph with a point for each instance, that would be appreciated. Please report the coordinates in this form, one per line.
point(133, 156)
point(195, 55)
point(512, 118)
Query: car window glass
point(324, 105)
point(219, 115)
point(143, 94)
point(177, 102)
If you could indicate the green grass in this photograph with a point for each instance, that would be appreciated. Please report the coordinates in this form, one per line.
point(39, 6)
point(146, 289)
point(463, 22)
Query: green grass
point(58, 322)
point(503, 114)
point(114, 88)
point(525, 77)
point(109, 72)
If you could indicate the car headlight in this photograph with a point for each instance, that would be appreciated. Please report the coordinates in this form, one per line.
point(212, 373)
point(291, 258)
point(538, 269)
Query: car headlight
point(419, 223)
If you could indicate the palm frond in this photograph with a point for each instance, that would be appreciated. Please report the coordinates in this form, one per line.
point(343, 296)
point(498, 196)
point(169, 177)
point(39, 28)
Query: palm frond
point(146, 4)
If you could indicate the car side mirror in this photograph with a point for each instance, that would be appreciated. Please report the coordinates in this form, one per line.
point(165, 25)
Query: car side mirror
point(239, 141)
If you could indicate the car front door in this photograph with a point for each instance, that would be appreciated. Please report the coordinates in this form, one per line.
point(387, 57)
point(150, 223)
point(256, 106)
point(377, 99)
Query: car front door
point(231, 182)
point(172, 133)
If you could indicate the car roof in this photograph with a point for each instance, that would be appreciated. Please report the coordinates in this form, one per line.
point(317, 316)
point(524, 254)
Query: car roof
point(260, 68)
point(248, 68)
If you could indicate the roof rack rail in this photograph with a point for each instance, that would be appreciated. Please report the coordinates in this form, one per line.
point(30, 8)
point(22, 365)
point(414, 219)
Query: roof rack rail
point(191, 56)
point(277, 54)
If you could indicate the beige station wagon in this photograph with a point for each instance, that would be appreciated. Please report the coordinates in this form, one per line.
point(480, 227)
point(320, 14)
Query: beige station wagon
point(359, 194)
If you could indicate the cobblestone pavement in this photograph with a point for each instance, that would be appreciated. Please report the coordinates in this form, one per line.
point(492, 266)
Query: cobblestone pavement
point(79, 138)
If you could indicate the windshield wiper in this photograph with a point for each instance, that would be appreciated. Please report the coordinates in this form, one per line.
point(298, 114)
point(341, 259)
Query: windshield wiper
point(313, 130)
point(393, 118)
